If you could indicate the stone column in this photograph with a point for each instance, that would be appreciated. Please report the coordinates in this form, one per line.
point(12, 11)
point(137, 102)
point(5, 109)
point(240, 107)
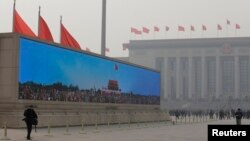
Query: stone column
point(203, 77)
point(166, 79)
point(218, 76)
point(178, 78)
point(190, 78)
point(236, 76)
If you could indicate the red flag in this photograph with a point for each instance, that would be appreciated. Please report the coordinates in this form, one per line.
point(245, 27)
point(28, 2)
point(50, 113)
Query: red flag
point(219, 27)
point(237, 26)
point(145, 30)
point(192, 28)
point(228, 22)
point(20, 26)
point(167, 28)
point(204, 28)
point(156, 29)
point(107, 49)
point(44, 32)
point(136, 31)
point(67, 39)
point(181, 28)
point(133, 30)
point(125, 46)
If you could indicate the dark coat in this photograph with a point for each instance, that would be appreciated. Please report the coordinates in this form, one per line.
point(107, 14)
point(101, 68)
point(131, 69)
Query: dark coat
point(238, 114)
point(29, 114)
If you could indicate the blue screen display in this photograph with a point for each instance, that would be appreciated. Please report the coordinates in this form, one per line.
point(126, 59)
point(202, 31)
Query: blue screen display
point(47, 72)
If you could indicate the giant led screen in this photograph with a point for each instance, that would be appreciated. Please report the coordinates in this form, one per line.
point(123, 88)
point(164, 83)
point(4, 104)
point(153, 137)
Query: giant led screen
point(51, 73)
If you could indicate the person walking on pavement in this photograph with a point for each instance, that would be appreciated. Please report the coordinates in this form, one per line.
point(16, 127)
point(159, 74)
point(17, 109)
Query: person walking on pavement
point(30, 119)
point(238, 116)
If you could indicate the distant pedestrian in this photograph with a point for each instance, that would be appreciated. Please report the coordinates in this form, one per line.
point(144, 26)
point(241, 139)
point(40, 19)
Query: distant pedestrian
point(30, 119)
point(238, 116)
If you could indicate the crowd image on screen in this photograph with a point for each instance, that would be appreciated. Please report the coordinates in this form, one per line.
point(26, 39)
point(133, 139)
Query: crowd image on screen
point(70, 93)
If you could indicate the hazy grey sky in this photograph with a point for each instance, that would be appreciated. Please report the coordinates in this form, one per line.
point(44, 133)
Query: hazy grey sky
point(83, 19)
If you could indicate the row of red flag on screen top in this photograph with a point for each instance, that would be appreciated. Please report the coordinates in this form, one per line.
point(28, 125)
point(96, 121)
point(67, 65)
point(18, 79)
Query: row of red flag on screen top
point(179, 28)
point(20, 26)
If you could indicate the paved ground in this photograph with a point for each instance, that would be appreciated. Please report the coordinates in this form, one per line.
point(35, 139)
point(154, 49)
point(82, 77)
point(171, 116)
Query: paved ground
point(143, 132)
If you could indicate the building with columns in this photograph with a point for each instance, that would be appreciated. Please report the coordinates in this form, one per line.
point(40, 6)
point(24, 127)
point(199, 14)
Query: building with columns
point(204, 73)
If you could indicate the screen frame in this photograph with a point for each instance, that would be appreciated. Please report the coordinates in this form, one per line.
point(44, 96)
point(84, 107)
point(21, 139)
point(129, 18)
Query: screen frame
point(57, 45)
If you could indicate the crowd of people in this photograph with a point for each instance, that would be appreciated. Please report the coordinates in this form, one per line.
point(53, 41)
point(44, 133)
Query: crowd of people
point(212, 114)
point(60, 92)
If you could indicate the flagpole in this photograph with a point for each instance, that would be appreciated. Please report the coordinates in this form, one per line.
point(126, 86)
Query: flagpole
point(190, 33)
point(39, 14)
point(13, 24)
point(227, 30)
point(130, 34)
point(166, 34)
point(60, 29)
point(103, 30)
point(142, 34)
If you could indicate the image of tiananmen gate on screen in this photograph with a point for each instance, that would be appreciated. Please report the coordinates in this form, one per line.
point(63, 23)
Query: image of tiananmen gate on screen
point(52, 73)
